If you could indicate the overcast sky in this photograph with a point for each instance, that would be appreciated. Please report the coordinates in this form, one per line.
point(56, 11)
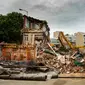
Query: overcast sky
point(61, 15)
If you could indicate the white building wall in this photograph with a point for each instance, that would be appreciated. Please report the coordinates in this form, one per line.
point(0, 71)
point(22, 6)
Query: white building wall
point(71, 38)
point(56, 34)
point(80, 38)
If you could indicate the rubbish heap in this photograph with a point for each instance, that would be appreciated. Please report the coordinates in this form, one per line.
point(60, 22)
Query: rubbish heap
point(29, 70)
point(64, 63)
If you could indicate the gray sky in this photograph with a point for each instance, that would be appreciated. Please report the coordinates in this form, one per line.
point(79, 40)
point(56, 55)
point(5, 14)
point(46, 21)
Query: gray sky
point(62, 15)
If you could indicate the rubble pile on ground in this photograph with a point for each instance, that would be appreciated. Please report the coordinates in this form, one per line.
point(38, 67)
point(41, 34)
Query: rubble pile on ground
point(25, 70)
point(63, 63)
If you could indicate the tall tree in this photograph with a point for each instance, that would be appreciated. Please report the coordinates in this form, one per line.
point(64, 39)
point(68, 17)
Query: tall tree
point(10, 27)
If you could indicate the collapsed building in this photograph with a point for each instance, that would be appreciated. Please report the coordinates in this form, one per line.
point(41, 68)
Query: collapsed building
point(35, 34)
point(35, 31)
point(50, 61)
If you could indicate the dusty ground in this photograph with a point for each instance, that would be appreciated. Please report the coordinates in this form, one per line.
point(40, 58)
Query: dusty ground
point(49, 82)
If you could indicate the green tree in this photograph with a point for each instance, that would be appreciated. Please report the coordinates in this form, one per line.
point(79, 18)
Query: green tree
point(10, 27)
point(2, 27)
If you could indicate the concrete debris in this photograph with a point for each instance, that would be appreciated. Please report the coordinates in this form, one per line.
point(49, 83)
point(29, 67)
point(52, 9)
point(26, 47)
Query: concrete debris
point(26, 71)
point(48, 64)
point(74, 63)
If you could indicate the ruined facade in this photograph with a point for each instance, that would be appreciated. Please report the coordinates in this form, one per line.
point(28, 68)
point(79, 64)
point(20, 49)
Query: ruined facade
point(35, 31)
point(35, 35)
point(17, 52)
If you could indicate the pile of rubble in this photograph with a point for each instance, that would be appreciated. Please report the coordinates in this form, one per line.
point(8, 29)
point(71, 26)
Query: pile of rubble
point(23, 70)
point(74, 63)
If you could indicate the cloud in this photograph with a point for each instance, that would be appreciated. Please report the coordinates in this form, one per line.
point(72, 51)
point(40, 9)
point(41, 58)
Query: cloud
point(67, 15)
point(5, 5)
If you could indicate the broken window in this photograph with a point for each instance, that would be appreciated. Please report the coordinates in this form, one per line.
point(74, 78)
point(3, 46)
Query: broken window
point(37, 26)
point(27, 24)
point(44, 28)
point(34, 26)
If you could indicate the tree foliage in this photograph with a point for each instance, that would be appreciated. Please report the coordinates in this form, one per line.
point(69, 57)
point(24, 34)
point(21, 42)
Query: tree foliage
point(10, 27)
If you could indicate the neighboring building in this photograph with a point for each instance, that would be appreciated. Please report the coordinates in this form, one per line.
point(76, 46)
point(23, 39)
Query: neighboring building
point(71, 38)
point(56, 34)
point(35, 31)
point(63, 39)
point(55, 41)
point(80, 39)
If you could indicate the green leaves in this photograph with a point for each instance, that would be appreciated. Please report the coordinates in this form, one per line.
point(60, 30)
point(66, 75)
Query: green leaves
point(10, 27)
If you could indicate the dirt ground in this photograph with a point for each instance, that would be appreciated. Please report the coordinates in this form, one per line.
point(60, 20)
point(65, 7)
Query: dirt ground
point(59, 81)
